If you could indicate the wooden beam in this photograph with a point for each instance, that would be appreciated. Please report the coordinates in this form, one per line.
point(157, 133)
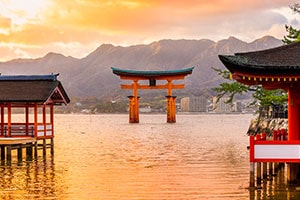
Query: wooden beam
point(166, 86)
point(162, 77)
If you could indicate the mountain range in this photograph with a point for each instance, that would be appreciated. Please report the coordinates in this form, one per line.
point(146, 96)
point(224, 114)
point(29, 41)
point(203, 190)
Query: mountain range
point(92, 76)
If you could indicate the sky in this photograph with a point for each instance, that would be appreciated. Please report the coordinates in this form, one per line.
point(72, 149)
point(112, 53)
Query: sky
point(33, 28)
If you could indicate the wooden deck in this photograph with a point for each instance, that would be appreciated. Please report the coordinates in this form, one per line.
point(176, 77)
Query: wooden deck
point(16, 140)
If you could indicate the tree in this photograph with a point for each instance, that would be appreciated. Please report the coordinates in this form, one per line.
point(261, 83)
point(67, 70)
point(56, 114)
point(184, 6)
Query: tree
point(261, 97)
point(293, 34)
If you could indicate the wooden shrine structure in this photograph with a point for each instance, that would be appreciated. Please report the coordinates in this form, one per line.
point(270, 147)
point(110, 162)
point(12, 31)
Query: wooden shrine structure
point(276, 68)
point(32, 98)
point(152, 76)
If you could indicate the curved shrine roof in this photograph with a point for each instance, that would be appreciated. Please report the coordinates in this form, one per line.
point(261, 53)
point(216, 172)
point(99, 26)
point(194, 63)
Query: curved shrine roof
point(153, 74)
point(32, 89)
point(283, 60)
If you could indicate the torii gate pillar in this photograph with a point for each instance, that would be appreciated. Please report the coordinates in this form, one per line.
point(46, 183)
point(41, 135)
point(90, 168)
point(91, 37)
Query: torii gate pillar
point(171, 109)
point(133, 109)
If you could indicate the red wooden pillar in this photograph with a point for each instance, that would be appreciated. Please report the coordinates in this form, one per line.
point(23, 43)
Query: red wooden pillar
point(133, 109)
point(171, 104)
point(35, 120)
point(52, 119)
point(134, 104)
point(171, 109)
point(2, 120)
point(294, 131)
point(293, 115)
point(9, 120)
point(44, 120)
point(136, 101)
point(27, 119)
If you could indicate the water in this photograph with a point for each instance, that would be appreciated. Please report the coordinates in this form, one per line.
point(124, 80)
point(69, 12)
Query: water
point(105, 157)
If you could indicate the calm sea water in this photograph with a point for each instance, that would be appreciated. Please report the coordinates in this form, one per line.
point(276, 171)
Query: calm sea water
point(104, 157)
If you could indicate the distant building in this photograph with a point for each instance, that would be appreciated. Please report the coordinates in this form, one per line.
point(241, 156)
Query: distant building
point(193, 104)
point(222, 107)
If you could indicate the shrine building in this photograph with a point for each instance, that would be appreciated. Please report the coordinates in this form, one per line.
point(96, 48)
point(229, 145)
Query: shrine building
point(275, 68)
point(152, 76)
point(27, 110)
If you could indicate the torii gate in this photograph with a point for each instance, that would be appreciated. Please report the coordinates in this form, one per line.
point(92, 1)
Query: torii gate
point(152, 76)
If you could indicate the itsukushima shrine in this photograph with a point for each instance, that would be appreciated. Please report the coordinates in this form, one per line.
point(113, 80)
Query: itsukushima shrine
point(276, 68)
point(152, 77)
point(34, 97)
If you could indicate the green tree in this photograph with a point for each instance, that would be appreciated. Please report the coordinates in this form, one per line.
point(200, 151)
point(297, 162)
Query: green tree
point(293, 34)
point(261, 97)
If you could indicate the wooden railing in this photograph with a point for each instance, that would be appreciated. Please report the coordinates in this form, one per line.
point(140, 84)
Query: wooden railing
point(27, 130)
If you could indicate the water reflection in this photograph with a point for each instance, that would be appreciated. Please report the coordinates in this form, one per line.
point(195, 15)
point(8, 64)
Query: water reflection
point(104, 157)
point(276, 188)
point(34, 179)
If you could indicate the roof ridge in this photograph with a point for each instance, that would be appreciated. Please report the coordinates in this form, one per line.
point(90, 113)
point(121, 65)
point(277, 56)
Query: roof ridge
point(49, 77)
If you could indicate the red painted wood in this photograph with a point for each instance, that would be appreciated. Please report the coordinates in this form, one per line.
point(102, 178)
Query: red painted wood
point(27, 119)
point(293, 115)
point(272, 142)
point(44, 119)
point(2, 120)
point(52, 118)
point(8, 120)
point(251, 148)
point(35, 119)
point(278, 160)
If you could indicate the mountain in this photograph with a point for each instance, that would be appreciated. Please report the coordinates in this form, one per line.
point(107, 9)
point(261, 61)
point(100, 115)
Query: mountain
point(92, 75)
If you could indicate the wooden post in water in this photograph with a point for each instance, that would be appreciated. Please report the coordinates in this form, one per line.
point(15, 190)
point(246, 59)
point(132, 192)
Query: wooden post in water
point(252, 168)
point(275, 138)
point(265, 170)
point(35, 149)
point(171, 109)
point(29, 151)
point(52, 146)
point(134, 104)
point(20, 153)
point(171, 104)
point(133, 116)
point(44, 147)
point(258, 168)
point(270, 170)
point(2, 153)
point(8, 154)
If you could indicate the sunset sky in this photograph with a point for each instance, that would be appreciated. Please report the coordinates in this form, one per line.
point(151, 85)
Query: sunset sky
point(32, 28)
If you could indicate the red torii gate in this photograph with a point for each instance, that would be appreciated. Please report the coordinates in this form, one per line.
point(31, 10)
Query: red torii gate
point(276, 68)
point(152, 76)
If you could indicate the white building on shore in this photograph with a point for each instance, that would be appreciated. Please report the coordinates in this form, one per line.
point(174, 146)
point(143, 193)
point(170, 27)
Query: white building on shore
point(193, 104)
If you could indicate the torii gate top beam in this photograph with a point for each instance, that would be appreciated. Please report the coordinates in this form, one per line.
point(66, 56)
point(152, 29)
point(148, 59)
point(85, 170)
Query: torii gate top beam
point(152, 76)
point(156, 75)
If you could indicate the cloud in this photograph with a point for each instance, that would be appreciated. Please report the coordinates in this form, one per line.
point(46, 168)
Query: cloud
point(5, 24)
point(82, 24)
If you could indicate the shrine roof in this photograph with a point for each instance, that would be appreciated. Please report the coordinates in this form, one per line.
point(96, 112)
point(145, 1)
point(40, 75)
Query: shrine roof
point(152, 73)
point(32, 89)
point(283, 60)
